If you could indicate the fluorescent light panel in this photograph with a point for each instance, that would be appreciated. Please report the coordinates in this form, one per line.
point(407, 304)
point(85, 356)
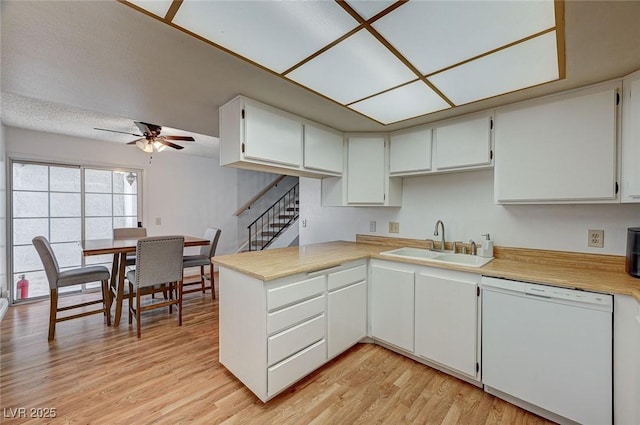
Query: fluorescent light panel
point(369, 8)
point(520, 66)
point(401, 103)
point(275, 34)
point(157, 7)
point(356, 68)
point(433, 35)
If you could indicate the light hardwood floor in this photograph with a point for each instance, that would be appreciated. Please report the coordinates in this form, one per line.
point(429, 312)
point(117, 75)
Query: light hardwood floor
point(96, 374)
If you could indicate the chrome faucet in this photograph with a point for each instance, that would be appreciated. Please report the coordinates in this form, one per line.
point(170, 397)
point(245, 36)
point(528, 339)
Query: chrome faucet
point(474, 249)
point(435, 233)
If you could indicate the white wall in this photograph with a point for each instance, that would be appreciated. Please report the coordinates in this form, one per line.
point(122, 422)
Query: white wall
point(188, 193)
point(464, 202)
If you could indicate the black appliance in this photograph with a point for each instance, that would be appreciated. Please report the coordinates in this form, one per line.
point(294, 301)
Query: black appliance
point(633, 251)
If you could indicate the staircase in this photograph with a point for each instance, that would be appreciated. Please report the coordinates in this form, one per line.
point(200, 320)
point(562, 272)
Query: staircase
point(274, 221)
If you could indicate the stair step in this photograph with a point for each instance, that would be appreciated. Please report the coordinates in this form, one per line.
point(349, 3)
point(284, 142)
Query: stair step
point(278, 225)
point(259, 242)
point(286, 216)
point(269, 233)
point(292, 209)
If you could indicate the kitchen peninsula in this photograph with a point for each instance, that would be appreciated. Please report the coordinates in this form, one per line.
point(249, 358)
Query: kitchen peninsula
point(286, 312)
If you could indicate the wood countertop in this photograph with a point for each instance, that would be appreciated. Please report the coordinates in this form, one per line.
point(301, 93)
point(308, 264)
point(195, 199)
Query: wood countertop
point(601, 273)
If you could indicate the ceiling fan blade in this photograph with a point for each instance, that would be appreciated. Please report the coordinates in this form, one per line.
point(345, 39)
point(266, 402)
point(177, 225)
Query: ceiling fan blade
point(136, 141)
point(182, 138)
point(116, 131)
point(166, 143)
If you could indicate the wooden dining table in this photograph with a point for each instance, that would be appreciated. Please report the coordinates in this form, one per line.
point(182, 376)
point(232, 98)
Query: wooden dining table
point(119, 248)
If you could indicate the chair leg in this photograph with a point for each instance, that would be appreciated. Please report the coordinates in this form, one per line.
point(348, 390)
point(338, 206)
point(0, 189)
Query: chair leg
point(179, 291)
point(170, 296)
point(213, 282)
point(130, 302)
point(138, 311)
point(53, 309)
point(106, 300)
point(202, 278)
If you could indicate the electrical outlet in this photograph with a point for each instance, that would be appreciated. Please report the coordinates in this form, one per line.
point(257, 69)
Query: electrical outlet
point(372, 226)
point(158, 221)
point(304, 222)
point(394, 227)
point(596, 238)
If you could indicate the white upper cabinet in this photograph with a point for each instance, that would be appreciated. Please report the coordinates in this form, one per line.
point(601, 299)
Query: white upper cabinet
point(410, 152)
point(558, 149)
point(259, 137)
point(366, 180)
point(463, 144)
point(366, 170)
point(272, 137)
point(323, 149)
point(630, 159)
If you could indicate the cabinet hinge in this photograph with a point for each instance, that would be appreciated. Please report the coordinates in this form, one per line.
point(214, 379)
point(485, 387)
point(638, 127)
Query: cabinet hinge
point(242, 147)
point(491, 154)
point(617, 98)
point(243, 114)
point(477, 367)
point(617, 188)
point(491, 124)
point(478, 291)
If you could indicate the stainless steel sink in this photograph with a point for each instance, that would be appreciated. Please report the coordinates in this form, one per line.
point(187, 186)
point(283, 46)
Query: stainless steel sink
point(440, 257)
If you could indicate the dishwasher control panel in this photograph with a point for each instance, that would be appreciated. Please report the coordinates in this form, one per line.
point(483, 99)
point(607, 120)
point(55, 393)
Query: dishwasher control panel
point(548, 291)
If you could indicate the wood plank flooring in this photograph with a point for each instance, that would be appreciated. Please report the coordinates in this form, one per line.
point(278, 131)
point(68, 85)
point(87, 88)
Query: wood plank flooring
point(94, 374)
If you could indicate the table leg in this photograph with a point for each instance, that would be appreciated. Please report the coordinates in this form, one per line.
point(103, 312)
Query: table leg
point(114, 279)
point(120, 296)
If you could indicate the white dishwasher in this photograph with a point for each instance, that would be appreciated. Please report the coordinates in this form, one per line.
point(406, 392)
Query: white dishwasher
point(549, 349)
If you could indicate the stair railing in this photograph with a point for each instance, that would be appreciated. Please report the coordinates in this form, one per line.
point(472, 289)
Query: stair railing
point(268, 226)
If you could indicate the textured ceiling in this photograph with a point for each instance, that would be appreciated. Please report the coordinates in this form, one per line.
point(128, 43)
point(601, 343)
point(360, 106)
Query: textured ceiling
point(121, 65)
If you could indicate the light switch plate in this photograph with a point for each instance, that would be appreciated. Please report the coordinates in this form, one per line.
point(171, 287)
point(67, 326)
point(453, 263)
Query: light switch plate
point(596, 239)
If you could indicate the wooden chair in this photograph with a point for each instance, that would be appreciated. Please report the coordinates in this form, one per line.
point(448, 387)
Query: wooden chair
point(59, 279)
point(130, 233)
point(203, 260)
point(158, 268)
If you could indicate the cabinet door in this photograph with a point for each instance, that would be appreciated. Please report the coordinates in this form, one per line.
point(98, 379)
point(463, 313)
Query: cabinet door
point(366, 170)
point(347, 315)
point(272, 137)
point(463, 144)
point(446, 322)
point(323, 149)
point(561, 150)
point(410, 152)
point(392, 304)
point(630, 189)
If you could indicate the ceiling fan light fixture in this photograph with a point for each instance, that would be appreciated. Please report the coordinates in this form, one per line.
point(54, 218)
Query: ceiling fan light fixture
point(130, 178)
point(159, 146)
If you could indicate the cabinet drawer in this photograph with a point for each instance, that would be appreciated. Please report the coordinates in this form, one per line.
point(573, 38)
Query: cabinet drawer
point(295, 367)
point(284, 344)
point(347, 277)
point(296, 313)
point(293, 292)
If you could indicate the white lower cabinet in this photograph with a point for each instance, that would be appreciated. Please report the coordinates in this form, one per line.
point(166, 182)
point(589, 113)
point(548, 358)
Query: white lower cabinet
point(626, 364)
point(274, 333)
point(346, 309)
point(446, 316)
point(392, 297)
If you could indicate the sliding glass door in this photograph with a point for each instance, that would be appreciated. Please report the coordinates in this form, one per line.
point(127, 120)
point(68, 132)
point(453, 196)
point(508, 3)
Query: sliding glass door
point(65, 204)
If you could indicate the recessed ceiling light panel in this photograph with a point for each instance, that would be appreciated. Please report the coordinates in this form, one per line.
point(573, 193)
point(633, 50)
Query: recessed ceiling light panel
point(520, 66)
point(275, 34)
point(368, 8)
point(433, 35)
point(157, 7)
point(356, 68)
point(401, 103)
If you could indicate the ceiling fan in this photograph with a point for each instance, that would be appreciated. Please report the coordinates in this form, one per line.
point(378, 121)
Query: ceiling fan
point(150, 139)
